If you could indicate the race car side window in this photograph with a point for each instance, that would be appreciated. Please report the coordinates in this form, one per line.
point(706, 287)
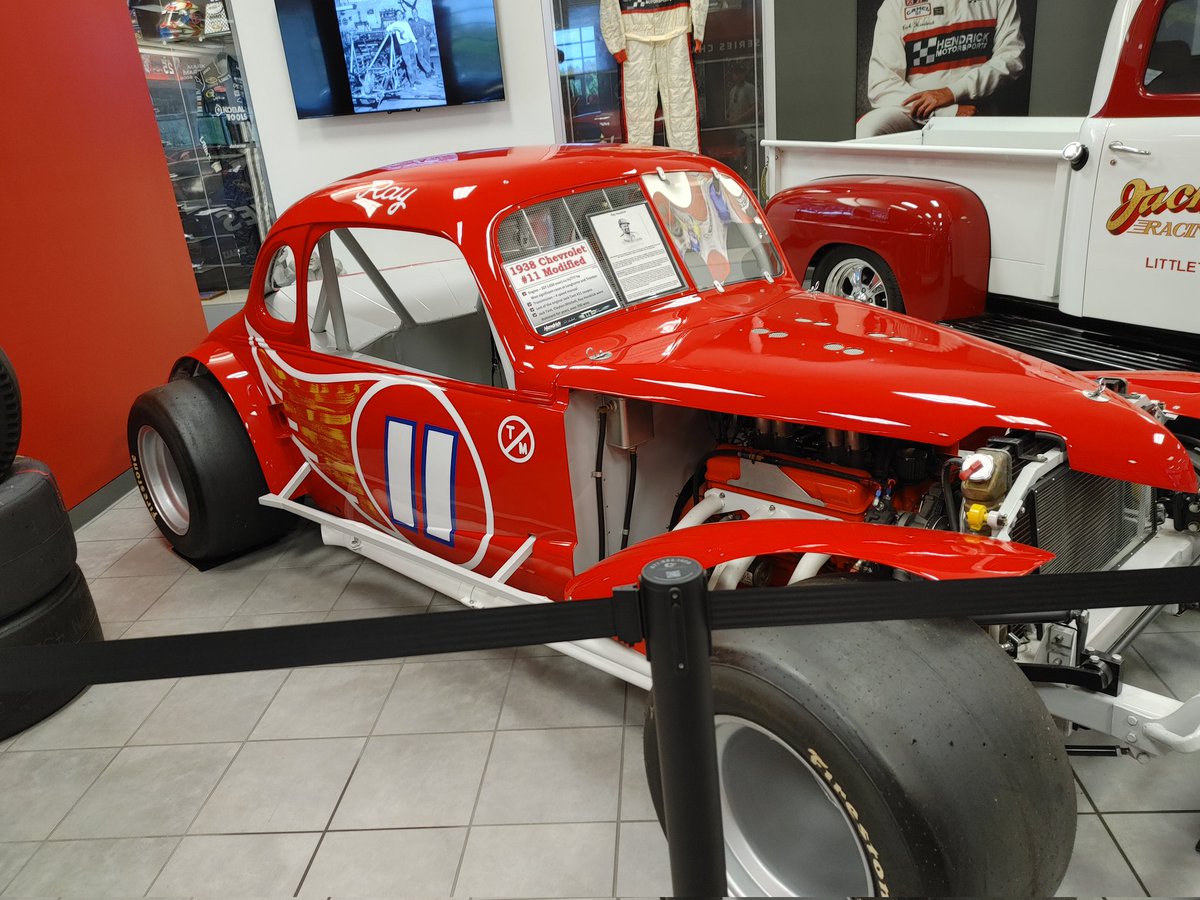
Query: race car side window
point(279, 288)
point(401, 298)
point(1174, 63)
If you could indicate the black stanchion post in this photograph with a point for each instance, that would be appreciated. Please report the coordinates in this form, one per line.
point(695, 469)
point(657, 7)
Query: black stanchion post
point(679, 645)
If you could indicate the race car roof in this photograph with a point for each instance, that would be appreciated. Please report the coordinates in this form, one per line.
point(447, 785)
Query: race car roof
point(447, 192)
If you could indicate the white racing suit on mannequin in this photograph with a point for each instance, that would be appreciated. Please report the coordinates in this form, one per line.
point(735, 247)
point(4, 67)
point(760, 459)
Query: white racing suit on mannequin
point(970, 47)
point(655, 35)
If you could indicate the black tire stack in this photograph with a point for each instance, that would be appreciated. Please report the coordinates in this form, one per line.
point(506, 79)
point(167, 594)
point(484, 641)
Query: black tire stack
point(44, 598)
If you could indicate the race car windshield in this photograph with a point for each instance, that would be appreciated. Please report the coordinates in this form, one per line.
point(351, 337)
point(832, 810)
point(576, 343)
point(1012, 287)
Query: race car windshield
point(715, 226)
point(573, 258)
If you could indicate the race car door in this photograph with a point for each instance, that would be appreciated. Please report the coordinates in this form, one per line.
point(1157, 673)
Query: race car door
point(412, 420)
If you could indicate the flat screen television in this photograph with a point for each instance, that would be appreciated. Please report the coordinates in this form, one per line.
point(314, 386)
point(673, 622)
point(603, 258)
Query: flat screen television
point(347, 57)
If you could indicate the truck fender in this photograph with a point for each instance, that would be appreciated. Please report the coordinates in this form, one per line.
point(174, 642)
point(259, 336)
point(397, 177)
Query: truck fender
point(934, 235)
point(264, 422)
point(935, 555)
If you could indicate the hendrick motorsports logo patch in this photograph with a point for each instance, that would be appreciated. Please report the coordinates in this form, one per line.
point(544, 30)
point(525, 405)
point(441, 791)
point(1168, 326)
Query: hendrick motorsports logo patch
point(1141, 205)
point(952, 47)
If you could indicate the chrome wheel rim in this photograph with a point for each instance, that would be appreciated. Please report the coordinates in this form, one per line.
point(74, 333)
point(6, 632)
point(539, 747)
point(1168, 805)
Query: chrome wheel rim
point(857, 280)
point(161, 477)
point(785, 832)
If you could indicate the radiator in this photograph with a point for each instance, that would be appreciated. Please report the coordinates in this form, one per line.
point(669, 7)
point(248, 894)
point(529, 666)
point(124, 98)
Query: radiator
point(1089, 523)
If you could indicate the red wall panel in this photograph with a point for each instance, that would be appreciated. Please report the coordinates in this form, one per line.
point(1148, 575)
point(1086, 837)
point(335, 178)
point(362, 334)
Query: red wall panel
point(97, 297)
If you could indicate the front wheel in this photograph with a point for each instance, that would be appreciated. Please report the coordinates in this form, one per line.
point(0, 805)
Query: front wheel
point(856, 273)
point(198, 472)
point(877, 759)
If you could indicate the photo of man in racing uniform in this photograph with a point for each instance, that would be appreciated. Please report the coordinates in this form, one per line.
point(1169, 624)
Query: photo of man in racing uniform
point(653, 41)
point(938, 58)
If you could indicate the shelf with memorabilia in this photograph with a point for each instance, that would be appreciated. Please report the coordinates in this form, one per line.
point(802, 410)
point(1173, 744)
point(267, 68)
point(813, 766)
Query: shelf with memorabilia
point(190, 59)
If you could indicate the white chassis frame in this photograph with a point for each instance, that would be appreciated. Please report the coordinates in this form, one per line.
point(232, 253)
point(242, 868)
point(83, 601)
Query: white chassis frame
point(1148, 723)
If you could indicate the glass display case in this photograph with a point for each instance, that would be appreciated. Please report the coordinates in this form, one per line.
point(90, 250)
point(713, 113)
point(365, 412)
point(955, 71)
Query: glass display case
point(205, 120)
point(728, 82)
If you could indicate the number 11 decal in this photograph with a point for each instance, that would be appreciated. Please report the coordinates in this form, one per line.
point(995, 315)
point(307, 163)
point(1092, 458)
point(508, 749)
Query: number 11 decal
point(438, 450)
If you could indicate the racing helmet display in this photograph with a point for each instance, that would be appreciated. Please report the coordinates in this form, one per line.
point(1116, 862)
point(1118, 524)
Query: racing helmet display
point(181, 20)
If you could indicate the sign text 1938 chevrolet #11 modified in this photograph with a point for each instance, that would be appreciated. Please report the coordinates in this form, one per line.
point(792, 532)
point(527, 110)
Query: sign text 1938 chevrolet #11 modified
point(519, 375)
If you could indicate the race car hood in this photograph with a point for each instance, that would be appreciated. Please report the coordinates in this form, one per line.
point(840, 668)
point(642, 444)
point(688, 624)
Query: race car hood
point(816, 360)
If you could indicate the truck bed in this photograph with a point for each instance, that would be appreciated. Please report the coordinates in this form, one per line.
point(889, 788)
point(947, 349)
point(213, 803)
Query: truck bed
point(1016, 170)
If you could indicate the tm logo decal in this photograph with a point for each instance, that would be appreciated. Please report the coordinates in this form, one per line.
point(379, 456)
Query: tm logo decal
point(516, 439)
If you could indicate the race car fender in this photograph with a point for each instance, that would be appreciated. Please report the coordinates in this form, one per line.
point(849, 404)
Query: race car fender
point(1179, 391)
point(934, 235)
point(264, 422)
point(935, 555)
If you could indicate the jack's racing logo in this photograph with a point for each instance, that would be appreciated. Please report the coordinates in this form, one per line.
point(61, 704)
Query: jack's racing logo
point(950, 47)
point(1141, 204)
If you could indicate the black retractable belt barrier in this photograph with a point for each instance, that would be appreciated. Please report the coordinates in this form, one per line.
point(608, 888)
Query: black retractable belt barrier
point(677, 616)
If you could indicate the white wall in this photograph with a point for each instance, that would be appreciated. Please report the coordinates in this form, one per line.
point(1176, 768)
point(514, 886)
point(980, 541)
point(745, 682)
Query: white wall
point(302, 156)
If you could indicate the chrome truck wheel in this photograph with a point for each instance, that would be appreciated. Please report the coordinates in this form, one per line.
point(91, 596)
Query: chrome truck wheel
point(886, 759)
point(857, 274)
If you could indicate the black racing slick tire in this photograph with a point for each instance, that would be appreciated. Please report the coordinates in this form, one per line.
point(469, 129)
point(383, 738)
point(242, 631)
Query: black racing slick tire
point(10, 414)
point(885, 759)
point(859, 274)
point(37, 543)
point(198, 472)
point(66, 615)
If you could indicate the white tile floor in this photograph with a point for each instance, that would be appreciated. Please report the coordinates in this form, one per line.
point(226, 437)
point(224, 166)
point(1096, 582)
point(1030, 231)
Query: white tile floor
point(492, 774)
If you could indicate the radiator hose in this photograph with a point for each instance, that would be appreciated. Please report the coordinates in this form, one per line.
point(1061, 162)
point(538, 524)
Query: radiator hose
point(629, 497)
point(598, 474)
point(948, 493)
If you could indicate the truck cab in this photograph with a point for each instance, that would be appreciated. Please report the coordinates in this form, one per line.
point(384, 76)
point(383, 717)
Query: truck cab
point(1095, 217)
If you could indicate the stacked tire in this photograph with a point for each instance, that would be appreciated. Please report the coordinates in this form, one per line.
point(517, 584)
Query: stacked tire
point(44, 598)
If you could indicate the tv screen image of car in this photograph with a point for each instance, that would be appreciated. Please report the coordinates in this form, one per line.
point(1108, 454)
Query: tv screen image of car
point(347, 57)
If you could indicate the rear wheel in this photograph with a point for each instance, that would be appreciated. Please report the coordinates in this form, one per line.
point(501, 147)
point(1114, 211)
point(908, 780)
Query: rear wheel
point(198, 472)
point(894, 758)
point(856, 273)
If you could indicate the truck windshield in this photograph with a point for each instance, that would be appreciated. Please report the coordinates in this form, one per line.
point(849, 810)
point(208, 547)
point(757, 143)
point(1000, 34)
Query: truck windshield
point(715, 226)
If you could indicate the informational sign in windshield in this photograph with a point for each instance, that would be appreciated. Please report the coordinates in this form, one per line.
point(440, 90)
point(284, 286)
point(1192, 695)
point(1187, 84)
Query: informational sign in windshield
point(634, 248)
point(561, 287)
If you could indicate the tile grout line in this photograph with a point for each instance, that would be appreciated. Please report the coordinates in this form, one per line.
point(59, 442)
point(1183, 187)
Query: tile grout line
point(1112, 837)
point(158, 874)
point(620, 789)
point(462, 855)
point(350, 777)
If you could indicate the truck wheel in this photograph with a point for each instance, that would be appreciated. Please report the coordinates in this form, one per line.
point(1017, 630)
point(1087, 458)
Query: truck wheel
point(37, 543)
point(66, 615)
point(892, 758)
point(198, 472)
point(10, 414)
point(858, 274)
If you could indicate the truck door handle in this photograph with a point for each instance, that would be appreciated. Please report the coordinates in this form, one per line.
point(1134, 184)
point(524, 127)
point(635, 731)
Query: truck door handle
point(1119, 147)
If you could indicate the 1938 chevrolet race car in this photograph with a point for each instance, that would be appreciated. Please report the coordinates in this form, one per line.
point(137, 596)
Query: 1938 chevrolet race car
point(519, 375)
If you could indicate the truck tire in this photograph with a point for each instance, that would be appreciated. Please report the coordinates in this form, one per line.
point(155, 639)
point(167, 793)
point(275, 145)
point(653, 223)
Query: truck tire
point(856, 273)
point(66, 615)
point(10, 414)
point(198, 472)
point(892, 758)
point(37, 543)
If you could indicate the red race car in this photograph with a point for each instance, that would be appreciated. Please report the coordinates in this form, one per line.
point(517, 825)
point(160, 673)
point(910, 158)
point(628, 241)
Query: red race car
point(519, 375)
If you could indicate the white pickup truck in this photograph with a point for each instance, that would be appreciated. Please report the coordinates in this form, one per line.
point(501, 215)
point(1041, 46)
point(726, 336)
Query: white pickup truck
point(1097, 217)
